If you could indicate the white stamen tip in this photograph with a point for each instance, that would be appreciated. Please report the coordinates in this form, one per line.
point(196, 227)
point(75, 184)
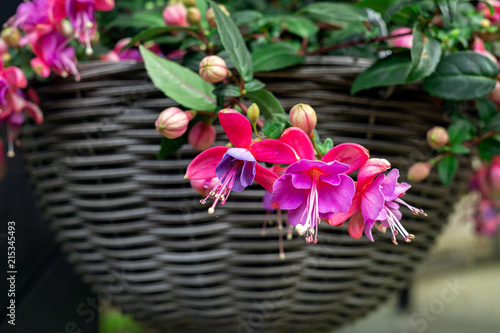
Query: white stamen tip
point(211, 210)
point(11, 153)
point(282, 256)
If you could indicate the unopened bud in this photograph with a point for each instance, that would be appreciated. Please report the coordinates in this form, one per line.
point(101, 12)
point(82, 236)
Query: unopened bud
point(419, 171)
point(485, 23)
point(202, 136)
point(190, 3)
point(210, 16)
point(193, 15)
point(253, 113)
point(213, 69)
point(172, 123)
point(303, 116)
point(191, 114)
point(204, 186)
point(11, 36)
point(175, 15)
point(437, 137)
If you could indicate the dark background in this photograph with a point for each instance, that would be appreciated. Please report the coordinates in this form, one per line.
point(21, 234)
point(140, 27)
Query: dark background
point(48, 291)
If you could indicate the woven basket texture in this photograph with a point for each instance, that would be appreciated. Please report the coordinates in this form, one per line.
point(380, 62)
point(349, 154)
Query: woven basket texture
point(136, 231)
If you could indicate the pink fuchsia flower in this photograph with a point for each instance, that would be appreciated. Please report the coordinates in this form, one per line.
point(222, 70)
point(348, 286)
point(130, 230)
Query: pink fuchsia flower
point(132, 53)
point(401, 41)
point(204, 186)
point(202, 135)
point(494, 177)
point(311, 189)
point(487, 218)
point(53, 54)
point(483, 9)
point(236, 167)
point(175, 15)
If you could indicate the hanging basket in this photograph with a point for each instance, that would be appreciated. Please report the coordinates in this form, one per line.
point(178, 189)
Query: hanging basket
point(136, 231)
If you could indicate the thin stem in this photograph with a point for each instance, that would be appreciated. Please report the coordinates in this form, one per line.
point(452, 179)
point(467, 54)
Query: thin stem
point(313, 140)
point(303, 47)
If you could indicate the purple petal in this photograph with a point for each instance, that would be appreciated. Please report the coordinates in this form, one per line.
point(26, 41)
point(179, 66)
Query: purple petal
point(295, 216)
point(287, 196)
point(368, 229)
point(389, 184)
point(241, 154)
point(266, 201)
point(302, 180)
point(372, 201)
point(246, 177)
point(336, 199)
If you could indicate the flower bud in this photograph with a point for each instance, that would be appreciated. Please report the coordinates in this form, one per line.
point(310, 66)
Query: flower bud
point(485, 23)
point(4, 48)
point(193, 15)
point(204, 186)
point(190, 3)
point(11, 36)
point(172, 123)
point(402, 41)
point(191, 114)
point(175, 15)
point(437, 137)
point(493, 176)
point(419, 171)
point(253, 113)
point(201, 136)
point(213, 69)
point(303, 116)
point(210, 16)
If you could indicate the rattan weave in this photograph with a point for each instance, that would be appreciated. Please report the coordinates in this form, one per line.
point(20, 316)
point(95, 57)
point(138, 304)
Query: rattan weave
point(135, 230)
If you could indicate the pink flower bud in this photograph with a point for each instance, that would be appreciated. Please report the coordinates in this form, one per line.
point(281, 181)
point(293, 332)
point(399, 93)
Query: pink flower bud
point(175, 15)
point(172, 123)
point(4, 48)
point(493, 176)
point(419, 171)
point(204, 186)
point(303, 116)
point(202, 135)
point(253, 113)
point(191, 114)
point(11, 36)
point(213, 69)
point(402, 41)
point(437, 137)
point(478, 47)
point(193, 15)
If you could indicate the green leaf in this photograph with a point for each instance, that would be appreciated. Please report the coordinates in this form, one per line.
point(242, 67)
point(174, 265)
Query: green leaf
point(493, 124)
point(447, 168)
point(448, 9)
point(254, 85)
point(462, 76)
point(245, 16)
point(227, 90)
point(275, 56)
point(328, 144)
point(233, 43)
point(340, 35)
point(400, 8)
point(489, 148)
point(149, 34)
point(459, 149)
point(149, 19)
point(170, 146)
point(486, 109)
point(179, 83)
point(389, 71)
point(267, 102)
point(273, 129)
point(460, 130)
point(332, 12)
point(300, 26)
point(380, 6)
point(425, 54)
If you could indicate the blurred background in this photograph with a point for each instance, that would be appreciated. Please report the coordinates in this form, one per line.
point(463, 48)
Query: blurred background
point(457, 289)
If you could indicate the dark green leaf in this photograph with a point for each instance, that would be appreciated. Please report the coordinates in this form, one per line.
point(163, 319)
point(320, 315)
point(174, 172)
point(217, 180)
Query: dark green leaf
point(389, 71)
point(489, 148)
point(149, 34)
point(332, 12)
point(275, 56)
point(284, 118)
point(400, 7)
point(179, 83)
point(340, 35)
point(461, 130)
point(447, 168)
point(149, 19)
point(300, 26)
point(448, 9)
point(486, 109)
point(233, 43)
point(462, 76)
point(254, 85)
point(459, 149)
point(268, 104)
point(170, 146)
point(245, 16)
point(227, 90)
point(273, 129)
point(493, 124)
point(425, 54)
point(380, 6)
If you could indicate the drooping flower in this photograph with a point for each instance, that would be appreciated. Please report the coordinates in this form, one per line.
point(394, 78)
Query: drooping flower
point(311, 190)
point(237, 167)
point(132, 53)
point(401, 41)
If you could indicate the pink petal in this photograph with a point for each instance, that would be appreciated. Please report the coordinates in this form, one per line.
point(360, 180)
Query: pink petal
point(265, 177)
point(302, 180)
point(15, 77)
point(203, 166)
point(336, 199)
point(348, 153)
point(370, 170)
point(34, 112)
point(104, 5)
point(299, 141)
point(237, 127)
point(368, 230)
point(372, 200)
point(356, 226)
point(285, 195)
point(338, 219)
point(273, 151)
point(295, 215)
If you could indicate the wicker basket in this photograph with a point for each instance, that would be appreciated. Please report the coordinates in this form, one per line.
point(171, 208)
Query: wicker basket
point(135, 230)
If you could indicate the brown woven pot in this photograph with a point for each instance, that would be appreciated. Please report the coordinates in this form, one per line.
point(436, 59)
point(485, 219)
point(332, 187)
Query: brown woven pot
point(137, 233)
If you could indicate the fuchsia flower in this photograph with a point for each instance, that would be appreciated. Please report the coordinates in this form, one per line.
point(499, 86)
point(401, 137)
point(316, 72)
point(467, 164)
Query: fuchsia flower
point(402, 41)
point(237, 167)
point(175, 15)
point(132, 53)
point(312, 189)
point(483, 9)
